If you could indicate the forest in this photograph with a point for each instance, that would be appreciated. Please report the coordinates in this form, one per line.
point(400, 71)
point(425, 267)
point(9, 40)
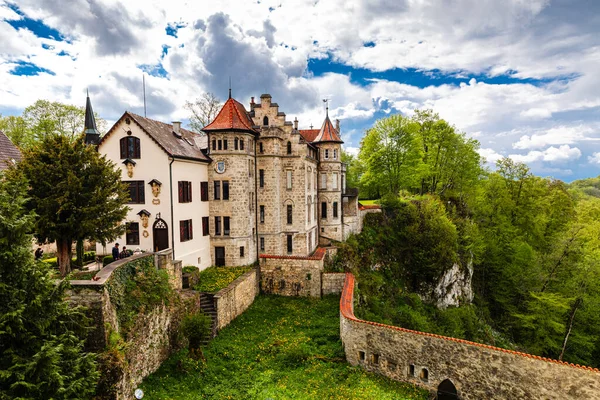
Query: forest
point(528, 247)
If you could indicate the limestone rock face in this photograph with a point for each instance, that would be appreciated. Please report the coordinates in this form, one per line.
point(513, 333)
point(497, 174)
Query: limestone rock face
point(453, 288)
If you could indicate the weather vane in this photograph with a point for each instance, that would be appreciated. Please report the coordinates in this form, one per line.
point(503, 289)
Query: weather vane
point(326, 101)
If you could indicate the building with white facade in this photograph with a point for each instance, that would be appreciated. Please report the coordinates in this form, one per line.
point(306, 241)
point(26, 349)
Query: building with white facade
point(252, 184)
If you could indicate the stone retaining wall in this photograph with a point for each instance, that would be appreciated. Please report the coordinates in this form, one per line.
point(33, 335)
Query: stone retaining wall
point(236, 298)
point(332, 283)
point(154, 336)
point(477, 371)
point(292, 276)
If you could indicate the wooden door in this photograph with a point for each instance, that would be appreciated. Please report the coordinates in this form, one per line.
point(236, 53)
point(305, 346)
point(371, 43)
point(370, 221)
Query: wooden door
point(160, 234)
point(220, 256)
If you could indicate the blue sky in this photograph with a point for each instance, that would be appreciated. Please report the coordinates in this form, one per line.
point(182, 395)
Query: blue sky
point(521, 77)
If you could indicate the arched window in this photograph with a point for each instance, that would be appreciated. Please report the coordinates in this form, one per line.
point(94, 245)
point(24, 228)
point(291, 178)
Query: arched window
point(447, 390)
point(130, 147)
point(266, 121)
point(289, 147)
point(236, 142)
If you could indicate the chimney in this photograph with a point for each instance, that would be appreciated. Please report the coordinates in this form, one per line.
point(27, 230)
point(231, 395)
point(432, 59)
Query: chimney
point(296, 123)
point(337, 125)
point(176, 126)
point(251, 103)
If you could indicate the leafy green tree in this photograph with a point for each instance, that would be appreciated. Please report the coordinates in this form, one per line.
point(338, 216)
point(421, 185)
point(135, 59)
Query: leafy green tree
point(41, 335)
point(44, 118)
point(391, 155)
point(354, 169)
point(452, 165)
point(75, 192)
point(15, 127)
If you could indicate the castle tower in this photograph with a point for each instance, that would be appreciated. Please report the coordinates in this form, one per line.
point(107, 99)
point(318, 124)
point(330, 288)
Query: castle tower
point(231, 186)
point(330, 182)
point(286, 225)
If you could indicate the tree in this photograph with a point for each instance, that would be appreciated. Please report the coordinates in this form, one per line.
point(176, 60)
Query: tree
point(44, 118)
point(391, 155)
point(354, 169)
point(16, 129)
point(203, 110)
point(76, 193)
point(452, 165)
point(41, 335)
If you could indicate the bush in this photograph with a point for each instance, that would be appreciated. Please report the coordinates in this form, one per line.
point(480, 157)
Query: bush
point(89, 256)
point(52, 262)
point(189, 269)
point(137, 287)
point(196, 328)
point(107, 260)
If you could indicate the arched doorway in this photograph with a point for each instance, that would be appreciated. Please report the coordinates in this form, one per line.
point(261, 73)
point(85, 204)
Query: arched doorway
point(160, 234)
point(447, 391)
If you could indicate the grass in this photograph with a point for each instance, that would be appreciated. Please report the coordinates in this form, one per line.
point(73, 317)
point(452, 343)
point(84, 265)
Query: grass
point(369, 202)
point(78, 275)
point(214, 279)
point(280, 348)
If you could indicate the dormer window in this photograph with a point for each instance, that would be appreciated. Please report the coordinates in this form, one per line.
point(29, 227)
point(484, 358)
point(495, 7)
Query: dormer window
point(266, 121)
point(130, 147)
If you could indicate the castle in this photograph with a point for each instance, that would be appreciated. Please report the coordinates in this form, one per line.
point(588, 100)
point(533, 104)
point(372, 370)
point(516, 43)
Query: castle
point(253, 184)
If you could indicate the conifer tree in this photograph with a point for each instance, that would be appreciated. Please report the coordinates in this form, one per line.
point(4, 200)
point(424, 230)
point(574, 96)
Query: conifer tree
point(76, 193)
point(41, 335)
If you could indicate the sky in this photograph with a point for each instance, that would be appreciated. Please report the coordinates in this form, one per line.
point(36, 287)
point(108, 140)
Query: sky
point(520, 76)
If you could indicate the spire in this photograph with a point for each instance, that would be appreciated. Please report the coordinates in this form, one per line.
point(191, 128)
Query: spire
point(92, 136)
point(229, 87)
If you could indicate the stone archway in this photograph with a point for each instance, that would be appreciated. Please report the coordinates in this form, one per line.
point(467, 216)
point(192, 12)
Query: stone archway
point(447, 390)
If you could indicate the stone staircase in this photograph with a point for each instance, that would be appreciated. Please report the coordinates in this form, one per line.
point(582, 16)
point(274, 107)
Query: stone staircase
point(207, 305)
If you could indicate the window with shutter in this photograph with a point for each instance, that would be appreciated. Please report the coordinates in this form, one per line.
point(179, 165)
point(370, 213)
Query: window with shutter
point(130, 147)
point(136, 192)
point(204, 191)
point(205, 227)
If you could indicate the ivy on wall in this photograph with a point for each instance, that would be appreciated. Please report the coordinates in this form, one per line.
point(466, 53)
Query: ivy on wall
point(136, 288)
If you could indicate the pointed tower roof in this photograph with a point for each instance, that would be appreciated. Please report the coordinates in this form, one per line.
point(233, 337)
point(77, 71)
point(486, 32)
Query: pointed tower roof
point(92, 136)
point(232, 117)
point(328, 133)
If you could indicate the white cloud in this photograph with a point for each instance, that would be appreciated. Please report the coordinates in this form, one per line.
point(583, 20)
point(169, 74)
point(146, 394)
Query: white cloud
point(490, 155)
point(555, 136)
point(551, 154)
point(594, 158)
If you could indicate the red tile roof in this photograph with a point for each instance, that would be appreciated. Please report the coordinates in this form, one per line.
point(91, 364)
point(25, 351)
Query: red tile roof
point(233, 116)
point(309, 134)
point(328, 133)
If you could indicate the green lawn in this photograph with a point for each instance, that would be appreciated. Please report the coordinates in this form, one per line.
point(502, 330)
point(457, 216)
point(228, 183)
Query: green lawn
point(213, 279)
point(280, 348)
point(369, 202)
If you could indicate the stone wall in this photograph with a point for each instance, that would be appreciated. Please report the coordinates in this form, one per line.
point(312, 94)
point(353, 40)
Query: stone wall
point(292, 276)
point(150, 341)
point(236, 298)
point(332, 283)
point(477, 371)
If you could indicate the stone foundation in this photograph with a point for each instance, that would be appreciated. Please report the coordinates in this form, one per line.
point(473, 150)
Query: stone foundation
point(292, 276)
